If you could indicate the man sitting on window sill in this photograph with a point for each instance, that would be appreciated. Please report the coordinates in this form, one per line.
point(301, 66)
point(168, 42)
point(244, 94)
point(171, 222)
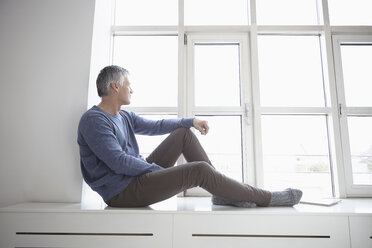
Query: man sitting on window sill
point(112, 166)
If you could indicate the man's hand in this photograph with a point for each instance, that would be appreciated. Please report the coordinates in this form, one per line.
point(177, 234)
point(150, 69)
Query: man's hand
point(201, 125)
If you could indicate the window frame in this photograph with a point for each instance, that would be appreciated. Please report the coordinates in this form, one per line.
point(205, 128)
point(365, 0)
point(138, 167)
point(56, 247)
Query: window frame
point(253, 169)
point(326, 111)
point(244, 110)
point(345, 111)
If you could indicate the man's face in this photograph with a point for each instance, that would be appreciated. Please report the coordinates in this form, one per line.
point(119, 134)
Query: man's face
point(125, 92)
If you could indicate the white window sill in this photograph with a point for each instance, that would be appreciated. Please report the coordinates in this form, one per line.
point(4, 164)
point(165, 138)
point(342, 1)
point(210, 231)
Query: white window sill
point(200, 205)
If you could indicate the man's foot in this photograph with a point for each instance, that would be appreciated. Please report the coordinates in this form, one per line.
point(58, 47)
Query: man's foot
point(287, 197)
point(221, 201)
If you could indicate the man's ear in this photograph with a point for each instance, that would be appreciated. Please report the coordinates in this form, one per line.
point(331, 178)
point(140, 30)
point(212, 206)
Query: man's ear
point(114, 87)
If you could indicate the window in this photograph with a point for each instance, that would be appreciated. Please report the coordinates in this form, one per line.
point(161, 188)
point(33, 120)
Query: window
point(152, 64)
point(361, 149)
point(217, 93)
point(291, 71)
point(345, 12)
point(147, 144)
point(357, 76)
point(353, 54)
point(294, 138)
point(217, 84)
point(216, 67)
point(216, 12)
point(288, 12)
point(285, 86)
point(295, 154)
point(146, 12)
point(224, 148)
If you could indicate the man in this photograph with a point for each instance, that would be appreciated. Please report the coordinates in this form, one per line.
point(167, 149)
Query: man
point(112, 166)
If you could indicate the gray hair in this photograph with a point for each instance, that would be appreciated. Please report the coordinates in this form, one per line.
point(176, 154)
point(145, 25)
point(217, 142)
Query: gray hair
point(110, 74)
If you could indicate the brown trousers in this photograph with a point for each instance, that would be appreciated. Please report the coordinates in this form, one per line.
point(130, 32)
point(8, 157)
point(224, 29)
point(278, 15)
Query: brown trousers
point(159, 185)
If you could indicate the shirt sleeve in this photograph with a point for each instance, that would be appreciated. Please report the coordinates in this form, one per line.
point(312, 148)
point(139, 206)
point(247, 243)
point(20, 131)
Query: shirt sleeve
point(158, 127)
point(99, 136)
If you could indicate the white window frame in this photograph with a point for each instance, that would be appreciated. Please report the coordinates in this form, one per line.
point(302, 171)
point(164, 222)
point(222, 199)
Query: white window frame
point(325, 111)
point(253, 170)
point(245, 95)
point(345, 111)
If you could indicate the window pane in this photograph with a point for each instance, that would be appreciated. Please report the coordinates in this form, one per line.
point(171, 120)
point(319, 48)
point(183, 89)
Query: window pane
point(152, 64)
point(217, 76)
point(216, 12)
point(290, 70)
point(146, 12)
point(357, 74)
point(361, 149)
point(147, 144)
point(224, 148)
point(346, 12)
point(295, 154)
point(287, 12)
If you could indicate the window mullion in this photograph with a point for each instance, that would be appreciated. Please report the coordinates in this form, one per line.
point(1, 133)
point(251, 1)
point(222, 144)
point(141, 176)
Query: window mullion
point(152, 110)
point(219, 110)
point(337, 152)
point(359, 111)
point(290, 30)
point(144, 30)
point(334, 125)
point(182, 74)
point(247, 132)
point(190, 87)
point(296, 110)
point(254, 173)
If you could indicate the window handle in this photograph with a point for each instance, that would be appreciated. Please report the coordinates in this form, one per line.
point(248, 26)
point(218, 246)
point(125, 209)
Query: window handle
point(247, 112)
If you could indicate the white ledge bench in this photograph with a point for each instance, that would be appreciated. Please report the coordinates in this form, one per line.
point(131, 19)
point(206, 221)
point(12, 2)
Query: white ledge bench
point(185, 222)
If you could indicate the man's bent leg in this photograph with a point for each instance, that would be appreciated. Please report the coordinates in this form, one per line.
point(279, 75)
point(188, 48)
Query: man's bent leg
point(180, 141)
point(160, 185)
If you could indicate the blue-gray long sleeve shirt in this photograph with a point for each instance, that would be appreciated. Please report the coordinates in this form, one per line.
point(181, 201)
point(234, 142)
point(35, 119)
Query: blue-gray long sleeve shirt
point(109, 153)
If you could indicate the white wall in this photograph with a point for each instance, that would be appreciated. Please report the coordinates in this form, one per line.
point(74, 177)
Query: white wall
point(45, 50)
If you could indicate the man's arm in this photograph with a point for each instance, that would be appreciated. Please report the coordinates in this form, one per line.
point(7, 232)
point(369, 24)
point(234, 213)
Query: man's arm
point(99, 136)
point(158, 127)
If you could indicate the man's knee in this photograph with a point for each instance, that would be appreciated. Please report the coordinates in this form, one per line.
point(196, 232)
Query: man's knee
point(202, 168)
point(182, 131)
point(201, 173)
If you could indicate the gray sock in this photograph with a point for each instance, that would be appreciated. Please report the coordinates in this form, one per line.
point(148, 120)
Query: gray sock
point(221, 201)
point(287, 197)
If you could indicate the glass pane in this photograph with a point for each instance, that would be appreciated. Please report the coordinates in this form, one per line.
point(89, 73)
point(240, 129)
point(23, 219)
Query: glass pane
point(147, 144)
point(287, 12)
point(216, 12)
point(146, 12)
point(361, 149)
point(224, 148)
point(357, 74)
point(217, 75)
point(290, 70)
point(346, 12)
point(295, 154)
point(152, 62)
